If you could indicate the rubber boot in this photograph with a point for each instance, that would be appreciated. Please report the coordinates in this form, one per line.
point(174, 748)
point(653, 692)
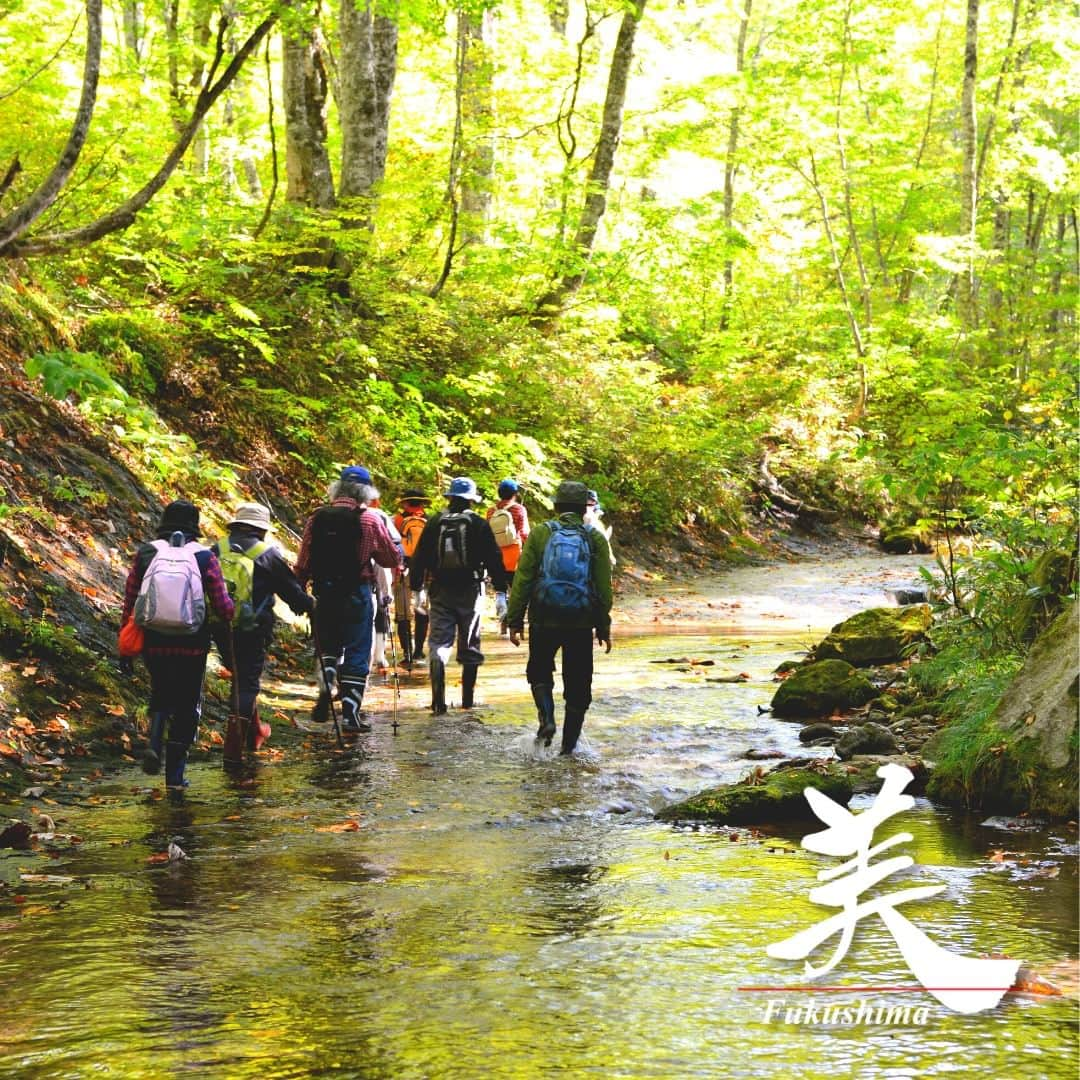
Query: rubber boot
point(468, 684)
point(352, 718)
point(327, 677)
point(405, 637)
point(151, 762)
point(438, 686)
point(545, 712)
point(175, 759)
point(421, 636)
point(571, 729)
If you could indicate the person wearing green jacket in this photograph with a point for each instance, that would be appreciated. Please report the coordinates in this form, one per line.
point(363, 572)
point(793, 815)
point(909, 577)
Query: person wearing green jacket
point(567, 593)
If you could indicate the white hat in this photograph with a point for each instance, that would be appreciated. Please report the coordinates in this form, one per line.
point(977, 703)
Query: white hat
point(254, 514)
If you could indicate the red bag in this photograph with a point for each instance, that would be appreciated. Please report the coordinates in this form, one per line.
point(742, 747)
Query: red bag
point(131, 638)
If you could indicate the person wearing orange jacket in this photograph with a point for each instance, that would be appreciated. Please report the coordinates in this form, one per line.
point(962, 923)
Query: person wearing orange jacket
point(509, 521)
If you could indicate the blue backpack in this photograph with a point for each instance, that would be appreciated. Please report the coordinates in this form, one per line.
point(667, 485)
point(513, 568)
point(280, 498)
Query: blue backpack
point(565, 580)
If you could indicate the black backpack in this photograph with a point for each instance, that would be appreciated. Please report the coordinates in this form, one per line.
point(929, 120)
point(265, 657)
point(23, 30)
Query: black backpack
point(453, 548)
point(335, 539)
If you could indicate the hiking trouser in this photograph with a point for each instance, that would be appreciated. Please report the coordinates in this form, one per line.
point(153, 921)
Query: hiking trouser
point(244, 654)
point(176, 687)
point(577, 662)
point(455, 616)
point(344, 625)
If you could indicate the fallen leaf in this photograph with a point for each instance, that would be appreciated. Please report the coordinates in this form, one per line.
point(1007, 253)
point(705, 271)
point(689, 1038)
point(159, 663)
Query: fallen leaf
point(46, 879)
point(115, 710)
point(340, 826)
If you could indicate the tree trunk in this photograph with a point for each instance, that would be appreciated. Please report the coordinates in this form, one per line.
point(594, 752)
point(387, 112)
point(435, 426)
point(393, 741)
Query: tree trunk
point(599, 182)
point(202, 15)
point(22, 217)
point(477, 106)
point(965, 285)
point(731, 168)
point(124, 215)
point(309, 178)
point(368, 65)
point(134, 24)
point(834, 251)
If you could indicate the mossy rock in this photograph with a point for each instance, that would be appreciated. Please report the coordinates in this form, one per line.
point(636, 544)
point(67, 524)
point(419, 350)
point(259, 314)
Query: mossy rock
point(865, 739)
point(1023, 757)
point(906, 540)
point(876, 636)
point(778, 797)
point(820, 689)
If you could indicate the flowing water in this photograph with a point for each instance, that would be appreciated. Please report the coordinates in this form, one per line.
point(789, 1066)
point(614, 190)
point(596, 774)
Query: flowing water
point(444, 903)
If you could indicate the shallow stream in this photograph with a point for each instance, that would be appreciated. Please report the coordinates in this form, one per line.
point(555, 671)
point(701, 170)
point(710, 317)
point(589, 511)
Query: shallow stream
point(441, 903)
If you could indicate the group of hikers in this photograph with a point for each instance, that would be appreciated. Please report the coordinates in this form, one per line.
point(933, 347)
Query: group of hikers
point(357, 566)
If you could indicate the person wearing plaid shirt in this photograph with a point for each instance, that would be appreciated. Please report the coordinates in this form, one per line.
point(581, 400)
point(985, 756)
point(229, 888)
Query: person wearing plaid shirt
point(342, 544)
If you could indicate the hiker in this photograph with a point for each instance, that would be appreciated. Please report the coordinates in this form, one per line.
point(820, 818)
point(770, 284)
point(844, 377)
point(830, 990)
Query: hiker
point(564, 580)
point(455, 548)
point(410, 608)
point(255, 572)
point(594, 512)
point(509, 521)
point(384, 584)
point(343, 542)
point(169, 587)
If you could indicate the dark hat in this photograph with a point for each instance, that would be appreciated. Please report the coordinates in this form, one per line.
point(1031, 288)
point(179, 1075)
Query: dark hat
point(355, 474)
point(180, 516)
point(462, 487)
point(413, 495)
point(507, 488)
point(572, 493)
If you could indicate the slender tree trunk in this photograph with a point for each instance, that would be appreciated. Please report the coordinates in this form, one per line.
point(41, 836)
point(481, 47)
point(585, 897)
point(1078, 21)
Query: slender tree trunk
point(849, 208)
point(603, 162)
point(15, 224)
point(202, 14)
point(368, 65)
point(731, 168)
point(309, 179)
point(965, 285)
point(125, 213)
point(834, 251)
point(134, 25)
point(476, 101)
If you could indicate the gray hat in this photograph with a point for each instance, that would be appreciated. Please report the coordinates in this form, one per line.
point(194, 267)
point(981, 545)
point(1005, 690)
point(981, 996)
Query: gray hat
point(572, 493)
point(254, 514)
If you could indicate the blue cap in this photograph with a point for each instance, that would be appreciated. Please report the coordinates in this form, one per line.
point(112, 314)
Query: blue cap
point(356, 474)
point(461, 487)
point(593, 497)
point(507, 488)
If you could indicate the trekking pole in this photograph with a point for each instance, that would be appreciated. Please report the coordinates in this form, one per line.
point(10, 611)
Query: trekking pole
point(393, 657)
point(326, 684)
point(235, 723)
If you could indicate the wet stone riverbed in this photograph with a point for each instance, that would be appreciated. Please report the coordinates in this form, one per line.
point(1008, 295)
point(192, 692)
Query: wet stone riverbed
point(441, 902)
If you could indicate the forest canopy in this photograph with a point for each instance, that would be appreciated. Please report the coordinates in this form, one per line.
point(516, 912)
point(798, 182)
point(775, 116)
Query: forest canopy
point(675, 248)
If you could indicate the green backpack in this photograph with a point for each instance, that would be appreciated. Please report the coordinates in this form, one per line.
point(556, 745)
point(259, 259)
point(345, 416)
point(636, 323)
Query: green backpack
point(238, 570)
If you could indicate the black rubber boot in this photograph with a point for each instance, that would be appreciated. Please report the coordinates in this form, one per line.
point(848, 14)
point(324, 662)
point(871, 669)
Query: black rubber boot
point(405, 637)
point(320, 711)
point(352, 718)
point(468, 684)
point(151, 762)
point(545, 712)
point(571, 729)
point(421, 636)
point(175, 760)
point(438, 686)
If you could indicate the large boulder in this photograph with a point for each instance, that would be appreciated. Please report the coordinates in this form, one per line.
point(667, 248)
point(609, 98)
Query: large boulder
point(866, 739)
point(875, 636)
point(762, 798)
point(820, 689)
point(1025, 756)
point(906, 540)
